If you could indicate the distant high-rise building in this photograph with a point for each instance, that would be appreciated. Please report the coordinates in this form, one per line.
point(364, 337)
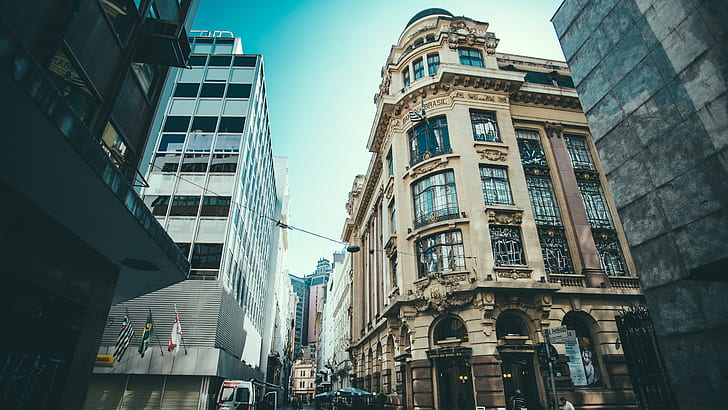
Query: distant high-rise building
point(299, 288)
point(316, 283)
point(212, 185)
point(80, 81)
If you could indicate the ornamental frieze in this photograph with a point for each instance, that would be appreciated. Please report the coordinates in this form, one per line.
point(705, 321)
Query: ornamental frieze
point(493, 154)
point(488, 98)
point(513, 273)
point(437, 293)
point(423, 169)
point(504, 217)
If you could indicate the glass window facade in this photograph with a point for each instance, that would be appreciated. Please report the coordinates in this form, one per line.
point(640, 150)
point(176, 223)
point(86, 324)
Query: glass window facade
point(418, 66)
point(433, 63)
point(428, 139)
point(496, 189)
point(471, 57)
point(441, 252)
point(435, 198)
point(485, 126)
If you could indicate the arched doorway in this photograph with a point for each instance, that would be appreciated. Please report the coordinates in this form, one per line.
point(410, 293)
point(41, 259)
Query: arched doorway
point(583, 358)
point(516, 351)
point(451, 362)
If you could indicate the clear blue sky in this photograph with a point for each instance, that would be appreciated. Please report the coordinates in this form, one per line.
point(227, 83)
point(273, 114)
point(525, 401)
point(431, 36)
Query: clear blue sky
point(322, 63)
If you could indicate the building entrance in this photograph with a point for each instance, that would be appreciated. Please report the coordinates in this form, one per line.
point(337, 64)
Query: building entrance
point(454, 383)
point(518, 373)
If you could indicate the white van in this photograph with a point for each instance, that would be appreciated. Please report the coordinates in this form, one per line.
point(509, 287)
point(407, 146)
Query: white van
point(246, 395)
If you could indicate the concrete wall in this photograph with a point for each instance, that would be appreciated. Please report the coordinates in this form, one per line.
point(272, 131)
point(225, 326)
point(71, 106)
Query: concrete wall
point(651, 76)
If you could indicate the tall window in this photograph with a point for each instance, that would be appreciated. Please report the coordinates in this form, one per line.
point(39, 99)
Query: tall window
point(555, 251)
point(418, 67)
point(585, 365)
point(507, 247)
point(471, 57)
point(485, 127)
point(428, 139)
point(406, 76)
point(543, 200)
point(529, 146)
point(595, 204)
point(390, 163)
point(435, 198)
point(393, 269)
point(610, 254)
point(441, 252)
point(433, 63)
point(579, 152)
point(392, 218)
point(496, 189)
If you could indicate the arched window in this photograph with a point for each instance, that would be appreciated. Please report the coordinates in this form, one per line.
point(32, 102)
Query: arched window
point(450, 330)
point(584, 364)
point(509, 324)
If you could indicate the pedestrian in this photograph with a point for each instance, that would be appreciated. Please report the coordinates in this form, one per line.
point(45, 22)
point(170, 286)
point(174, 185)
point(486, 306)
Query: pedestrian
point(565, 404)
point(518, 401)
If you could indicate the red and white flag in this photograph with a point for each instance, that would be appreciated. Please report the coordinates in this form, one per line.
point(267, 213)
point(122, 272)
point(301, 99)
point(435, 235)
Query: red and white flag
point(176, 337)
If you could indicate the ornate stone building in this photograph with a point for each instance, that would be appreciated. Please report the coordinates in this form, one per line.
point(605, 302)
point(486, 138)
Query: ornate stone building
point(483, 219)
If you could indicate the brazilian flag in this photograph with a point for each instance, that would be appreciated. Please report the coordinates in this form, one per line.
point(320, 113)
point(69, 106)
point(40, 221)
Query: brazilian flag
point(147, 334)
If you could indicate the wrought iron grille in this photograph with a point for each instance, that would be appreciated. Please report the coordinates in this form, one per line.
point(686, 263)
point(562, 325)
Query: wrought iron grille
point(610, 253)
point(507, 245)
point(555, 250)
point(644, 360)
point(485, 126)
point(595, 204)
point(579, 152)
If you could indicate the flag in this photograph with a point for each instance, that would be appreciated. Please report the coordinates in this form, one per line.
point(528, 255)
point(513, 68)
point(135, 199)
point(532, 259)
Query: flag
point(414, 116)
point(176, 337)
point(423, 114)
point(125, 334)
point(147, 334)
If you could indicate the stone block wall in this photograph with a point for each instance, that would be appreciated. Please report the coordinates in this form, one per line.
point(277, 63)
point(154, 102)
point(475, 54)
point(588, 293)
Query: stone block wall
point(652, 79)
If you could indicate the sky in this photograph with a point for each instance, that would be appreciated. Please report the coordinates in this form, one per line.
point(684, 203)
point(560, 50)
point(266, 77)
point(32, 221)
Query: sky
point(322, 62)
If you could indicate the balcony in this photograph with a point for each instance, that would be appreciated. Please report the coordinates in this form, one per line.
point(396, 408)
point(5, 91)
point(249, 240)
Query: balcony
point(435, 216)
point(164, 43)
point(429, 153)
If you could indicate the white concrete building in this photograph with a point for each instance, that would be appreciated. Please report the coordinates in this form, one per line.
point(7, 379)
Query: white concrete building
point(334, 361)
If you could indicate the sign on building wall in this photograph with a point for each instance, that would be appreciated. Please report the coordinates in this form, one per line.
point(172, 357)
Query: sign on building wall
point(576, 366)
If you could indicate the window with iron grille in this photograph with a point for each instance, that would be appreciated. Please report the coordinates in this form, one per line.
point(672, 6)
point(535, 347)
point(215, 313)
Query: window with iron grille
point(496, 190)
point(595, 204)
point(428, 139)
point(610, 254)
point(433, 63)
point(555, 250)
point(543, 200)
point(441, 252)
point(579, 152)
point(529, 146)
point(435, 198)
point(507, 246)
point(406, 76)
point(485, 126)
point(471, 57)
point(418, 67)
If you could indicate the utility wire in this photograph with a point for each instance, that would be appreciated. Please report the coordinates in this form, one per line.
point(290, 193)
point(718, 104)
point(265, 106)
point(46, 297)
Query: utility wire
point(282, 225)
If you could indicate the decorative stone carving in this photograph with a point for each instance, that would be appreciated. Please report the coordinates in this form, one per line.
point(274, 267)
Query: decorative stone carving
point(513, 273)
point(390, 190)
point(488, 97)
point(504, 217)
point(553, 129)
point(486, 303)
point(459, 34)
point(438, 293)
point(422, 169)
point(492, 154)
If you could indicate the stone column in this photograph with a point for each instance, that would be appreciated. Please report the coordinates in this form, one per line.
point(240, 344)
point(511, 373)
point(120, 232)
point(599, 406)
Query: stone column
point(422, 384)
point(488, 381)
point(586, 252)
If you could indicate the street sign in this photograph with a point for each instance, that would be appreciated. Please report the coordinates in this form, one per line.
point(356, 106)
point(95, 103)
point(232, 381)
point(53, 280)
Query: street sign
point(559, 334)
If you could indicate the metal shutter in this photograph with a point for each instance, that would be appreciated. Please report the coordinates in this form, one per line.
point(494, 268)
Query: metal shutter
point(105, 391)
point(143, 392)
point(182, 393)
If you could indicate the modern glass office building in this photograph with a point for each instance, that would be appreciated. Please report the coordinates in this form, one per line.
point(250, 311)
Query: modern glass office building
point(212, 186)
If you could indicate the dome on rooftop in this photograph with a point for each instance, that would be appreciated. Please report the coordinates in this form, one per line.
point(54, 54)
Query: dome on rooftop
point(427, 13)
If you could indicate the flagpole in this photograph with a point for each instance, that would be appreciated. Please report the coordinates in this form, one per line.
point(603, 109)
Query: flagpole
point(157, 336)
point(181, 335)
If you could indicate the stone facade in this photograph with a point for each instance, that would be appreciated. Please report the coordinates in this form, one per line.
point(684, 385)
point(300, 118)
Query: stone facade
point(651, 77)
point(483, 219)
